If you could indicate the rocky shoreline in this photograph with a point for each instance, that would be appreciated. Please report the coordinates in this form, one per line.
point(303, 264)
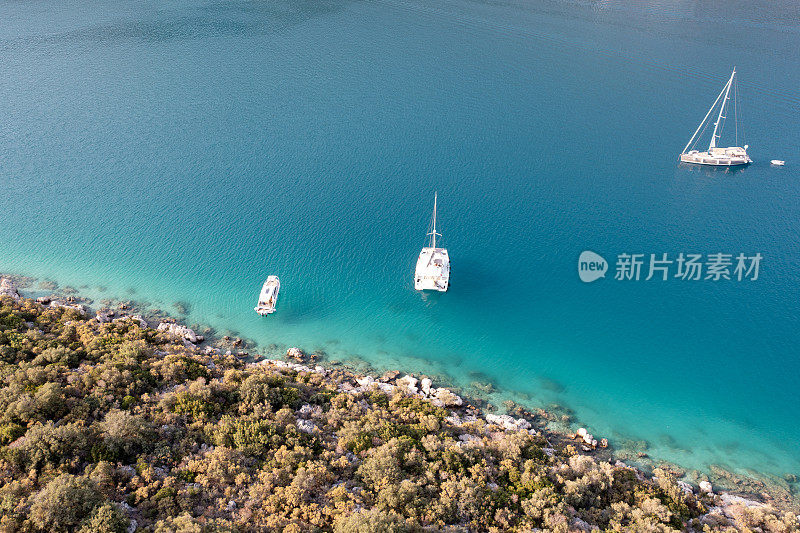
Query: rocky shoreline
point(723, 506)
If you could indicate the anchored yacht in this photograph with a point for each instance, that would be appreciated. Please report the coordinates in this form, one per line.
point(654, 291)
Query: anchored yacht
point(433, 265)
point(269, 296)
point(715, 155)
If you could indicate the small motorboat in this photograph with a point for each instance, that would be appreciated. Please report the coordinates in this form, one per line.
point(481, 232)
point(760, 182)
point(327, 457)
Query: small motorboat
point(269, 296)
point(777, 162)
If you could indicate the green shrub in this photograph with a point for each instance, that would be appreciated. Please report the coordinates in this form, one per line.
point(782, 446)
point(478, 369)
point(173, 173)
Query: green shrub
point(253, 437)
point(261, 389)
point(373, 520)
point(124, 435)
point(194, 406)
point(56, 355)
point(64, 503)
point(106, 518)
point(9, 432)
point(50, 445)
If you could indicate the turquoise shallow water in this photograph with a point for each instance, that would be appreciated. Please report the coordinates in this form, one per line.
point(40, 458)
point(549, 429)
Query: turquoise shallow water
point(185, 150)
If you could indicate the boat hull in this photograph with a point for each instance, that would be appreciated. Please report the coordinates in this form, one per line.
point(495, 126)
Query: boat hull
point(433, 270)
point(268, 298)
point(431, 286)
point(716, 159)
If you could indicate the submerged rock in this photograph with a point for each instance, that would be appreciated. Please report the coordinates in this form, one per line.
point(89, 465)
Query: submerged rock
point(485, 387)
point(389, 375)
point(296, 354)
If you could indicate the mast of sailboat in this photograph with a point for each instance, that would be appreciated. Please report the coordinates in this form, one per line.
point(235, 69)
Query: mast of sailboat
point(727, 85)
point(721, 111)
point(433, 234)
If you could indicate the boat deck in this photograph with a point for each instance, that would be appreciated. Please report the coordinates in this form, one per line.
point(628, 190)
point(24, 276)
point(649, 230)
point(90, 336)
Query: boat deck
point(433, 270)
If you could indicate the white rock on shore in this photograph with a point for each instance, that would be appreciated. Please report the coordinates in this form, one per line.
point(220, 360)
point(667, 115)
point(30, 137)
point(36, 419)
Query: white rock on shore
point(82, 309)
point(408, 383)
point(365, 382)
point(687, 489)
point(387, 388)
point(179, 331)
point(458, 421)
point(448, 398)
point(509, 422)
point(293, 366)
point(7, 288)
point(587, 437)
point(729, 500)
point(425, 385)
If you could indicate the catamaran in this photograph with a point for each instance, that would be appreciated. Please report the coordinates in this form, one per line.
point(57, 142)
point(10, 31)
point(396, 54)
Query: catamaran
point(433, 265)
point(269, 296)
point(716, 155)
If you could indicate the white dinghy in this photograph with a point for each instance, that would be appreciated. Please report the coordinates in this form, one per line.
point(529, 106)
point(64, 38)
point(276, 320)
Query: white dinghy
point(269, 296)
point(717, 156)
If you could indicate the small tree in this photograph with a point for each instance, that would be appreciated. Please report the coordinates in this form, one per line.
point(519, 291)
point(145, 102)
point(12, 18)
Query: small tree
point(64, 503)
point(106, 518)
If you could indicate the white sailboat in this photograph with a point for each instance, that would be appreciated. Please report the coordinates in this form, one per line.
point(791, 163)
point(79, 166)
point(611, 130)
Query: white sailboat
point(715, 155)
point(269, 296)
point(433, 265)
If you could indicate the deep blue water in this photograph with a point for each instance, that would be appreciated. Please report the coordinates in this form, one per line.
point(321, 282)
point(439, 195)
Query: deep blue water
point(184, 150)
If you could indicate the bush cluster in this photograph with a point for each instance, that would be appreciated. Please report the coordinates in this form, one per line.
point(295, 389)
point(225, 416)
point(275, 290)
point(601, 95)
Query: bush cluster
point(108, 426)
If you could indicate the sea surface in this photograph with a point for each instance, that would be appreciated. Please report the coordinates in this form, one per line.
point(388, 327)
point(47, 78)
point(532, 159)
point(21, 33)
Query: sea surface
point(183, 150)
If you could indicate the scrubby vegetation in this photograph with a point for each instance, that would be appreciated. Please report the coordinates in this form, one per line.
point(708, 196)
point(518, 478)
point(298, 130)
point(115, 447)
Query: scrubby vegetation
point(114, 426)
